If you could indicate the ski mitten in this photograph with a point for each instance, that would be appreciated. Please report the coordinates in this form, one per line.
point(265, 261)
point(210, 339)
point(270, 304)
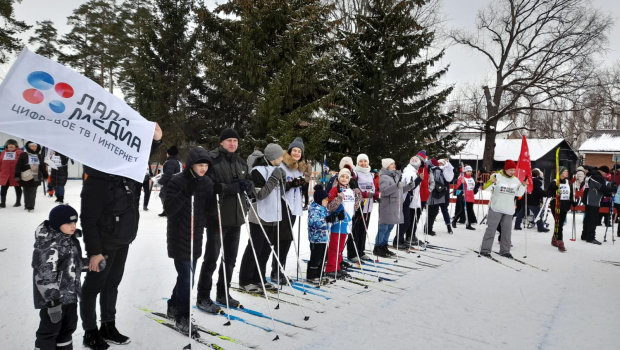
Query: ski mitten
point(55, 313)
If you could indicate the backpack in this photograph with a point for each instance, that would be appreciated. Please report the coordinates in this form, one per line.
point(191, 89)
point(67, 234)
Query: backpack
point(440, 187)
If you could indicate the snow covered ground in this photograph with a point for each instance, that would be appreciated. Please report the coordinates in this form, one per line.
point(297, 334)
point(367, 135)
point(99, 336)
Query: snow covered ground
point(465, 303)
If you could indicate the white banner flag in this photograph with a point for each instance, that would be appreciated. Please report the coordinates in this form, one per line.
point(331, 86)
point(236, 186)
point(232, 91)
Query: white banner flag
point(50, 104)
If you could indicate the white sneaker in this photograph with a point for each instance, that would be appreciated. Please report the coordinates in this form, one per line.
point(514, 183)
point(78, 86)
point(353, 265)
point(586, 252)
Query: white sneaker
point(355, 259)
point(366, 258)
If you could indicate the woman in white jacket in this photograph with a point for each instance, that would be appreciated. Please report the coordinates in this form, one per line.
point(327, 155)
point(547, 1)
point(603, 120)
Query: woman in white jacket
point(502, 208)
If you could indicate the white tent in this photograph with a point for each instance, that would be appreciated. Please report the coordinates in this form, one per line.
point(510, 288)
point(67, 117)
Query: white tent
point(508, 149)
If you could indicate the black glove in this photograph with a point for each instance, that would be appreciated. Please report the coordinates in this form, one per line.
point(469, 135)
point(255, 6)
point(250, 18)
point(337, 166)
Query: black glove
point(246, 185)
point(233, 188)
point(341, 215)
point(191, 186)
point(218, 188)
point(279, 174)
point(331, 218)
point(302, 182)
point(295, 183)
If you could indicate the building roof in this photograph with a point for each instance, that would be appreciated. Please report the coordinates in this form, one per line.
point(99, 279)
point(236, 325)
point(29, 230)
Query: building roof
point(508, 149)
point(602, 141)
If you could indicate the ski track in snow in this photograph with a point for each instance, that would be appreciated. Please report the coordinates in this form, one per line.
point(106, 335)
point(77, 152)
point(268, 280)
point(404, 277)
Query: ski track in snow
point(468, 303)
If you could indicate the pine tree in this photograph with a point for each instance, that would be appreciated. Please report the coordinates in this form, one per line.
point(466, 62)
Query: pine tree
point(46, 36)
point(165, 69)
point(9, 28)
point(267, 71)
point(392, 106)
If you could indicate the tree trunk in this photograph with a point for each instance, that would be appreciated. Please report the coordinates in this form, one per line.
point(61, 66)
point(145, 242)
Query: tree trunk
point(489, 145)
point(111, 82)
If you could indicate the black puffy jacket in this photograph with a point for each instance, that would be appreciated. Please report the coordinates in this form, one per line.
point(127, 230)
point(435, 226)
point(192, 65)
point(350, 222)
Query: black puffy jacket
point(537, 195)
point(59, 176)
point(177, 206)
point(22, 165)
point(109, 209)
point(228, 167)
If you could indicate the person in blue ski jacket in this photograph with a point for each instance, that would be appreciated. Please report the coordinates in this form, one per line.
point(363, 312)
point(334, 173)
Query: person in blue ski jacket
point(319, 218)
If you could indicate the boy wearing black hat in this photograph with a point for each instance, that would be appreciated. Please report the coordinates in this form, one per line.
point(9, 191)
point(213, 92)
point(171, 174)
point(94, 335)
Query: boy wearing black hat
point(57, 263)
point(171, 166)
point(318, 232)
point(192, 182)
point(596, 186)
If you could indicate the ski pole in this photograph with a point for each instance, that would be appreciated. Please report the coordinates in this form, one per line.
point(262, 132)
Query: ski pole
point(359, 259)
point(400, 208)
point(525, 228)
point(262, 281)
point(324, 257)
point(293, 236)
point(273, 252)
point(374, 258)
point(279, 213)
point(191, 262)
point(223, 261)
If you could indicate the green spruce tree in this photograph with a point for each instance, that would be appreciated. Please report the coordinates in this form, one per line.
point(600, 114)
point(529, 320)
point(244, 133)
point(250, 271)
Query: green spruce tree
point(46, 37)
point(9, 29)
point(392, 105)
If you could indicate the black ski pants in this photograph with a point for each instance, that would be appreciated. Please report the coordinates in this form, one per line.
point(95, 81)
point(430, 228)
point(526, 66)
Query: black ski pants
point(57, 336)
point(458, 209)
point(182, 290)
point(317, 262)
point(249, 273)
point(30, 196)
point(283, 245)
point(358, 234)
point(212, 254)
point(433, 211)
point(471, 215)
point(146, 186)
point(105, 284)
point(589, 223)
point(562, 218)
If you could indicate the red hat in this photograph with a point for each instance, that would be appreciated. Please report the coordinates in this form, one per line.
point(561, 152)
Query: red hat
point(434, 162)
point(509, 165)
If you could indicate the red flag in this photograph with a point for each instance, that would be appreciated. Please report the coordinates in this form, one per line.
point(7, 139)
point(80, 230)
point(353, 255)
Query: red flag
point(524, 165)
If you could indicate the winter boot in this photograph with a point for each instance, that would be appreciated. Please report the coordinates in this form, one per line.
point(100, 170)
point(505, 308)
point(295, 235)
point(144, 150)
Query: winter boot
point(554, 241)
point(182, 325)
point(94, 341)
point(454, 223)
point(344, 265)
point(110, 333)
point(171, 311)
point(355, 260)
point(3, 202)
point(470, 227)
point(232, 302)
point(485, 254)
point(561, 246)
point(507, 255)
point(58, 200)
point(365, 257)
point(162, 215)
point(145, 208)
point(18, 202)
point(209, 306)
point(379, 251)
point(274, 278)
point(449, 229)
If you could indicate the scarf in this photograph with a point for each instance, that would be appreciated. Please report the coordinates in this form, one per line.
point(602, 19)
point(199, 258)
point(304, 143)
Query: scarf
point(362, 170)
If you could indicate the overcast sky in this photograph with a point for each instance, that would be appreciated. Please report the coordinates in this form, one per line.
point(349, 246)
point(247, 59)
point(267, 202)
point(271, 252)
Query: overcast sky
point(466, 66)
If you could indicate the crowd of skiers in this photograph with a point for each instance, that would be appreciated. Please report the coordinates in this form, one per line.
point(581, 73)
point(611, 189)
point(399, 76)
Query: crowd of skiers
point(26, 169)
point(217, 192)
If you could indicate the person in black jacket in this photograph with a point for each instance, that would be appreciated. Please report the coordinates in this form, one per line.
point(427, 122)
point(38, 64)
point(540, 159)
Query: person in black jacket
point(30, 171)
point(192, 182)
point(230, 176)
point(595, 188)
point(146, 187)
point(171, 166)
point(110, 218)
point(566, 201)
point(534, 202)
point(59, 175)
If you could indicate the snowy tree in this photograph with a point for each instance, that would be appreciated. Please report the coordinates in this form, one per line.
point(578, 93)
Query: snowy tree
point(9, 29)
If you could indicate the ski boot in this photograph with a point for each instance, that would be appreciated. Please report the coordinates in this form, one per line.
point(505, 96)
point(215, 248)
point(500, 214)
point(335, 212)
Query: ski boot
point(93, 340)
point(232, 302)
point(207, 305)
point(561, 247)
point(554, 241)
point(109, 332)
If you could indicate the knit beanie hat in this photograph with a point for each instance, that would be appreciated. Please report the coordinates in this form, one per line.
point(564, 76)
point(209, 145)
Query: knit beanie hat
point(229, 133)
point(386, 162)
point(535, 173)
point(422, 154)
point(319, 194)
point(562, 168)
point(603, 168)
point(273, 151)
point(62, 214)
point(362, 156)
point(299, 143)
point(468, 168)
point(173, 151)
point(344, 171)
point(509, 164)
point(434, 162)
point(346, 161)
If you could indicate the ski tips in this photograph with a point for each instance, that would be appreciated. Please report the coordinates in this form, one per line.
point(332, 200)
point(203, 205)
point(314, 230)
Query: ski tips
point(306, 318)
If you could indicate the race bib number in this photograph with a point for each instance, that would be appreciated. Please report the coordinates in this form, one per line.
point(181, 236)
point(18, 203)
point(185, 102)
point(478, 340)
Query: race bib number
point(33, 160)
point(9, 155)
point(57, 161)
point(471, 184)
point(564, 192)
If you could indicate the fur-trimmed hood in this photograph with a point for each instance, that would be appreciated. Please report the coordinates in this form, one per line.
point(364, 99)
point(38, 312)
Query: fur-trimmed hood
point(292, 164)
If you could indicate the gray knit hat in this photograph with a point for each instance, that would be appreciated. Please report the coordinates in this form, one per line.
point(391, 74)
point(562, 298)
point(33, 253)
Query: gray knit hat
point(299, 143)
point(273, 151)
